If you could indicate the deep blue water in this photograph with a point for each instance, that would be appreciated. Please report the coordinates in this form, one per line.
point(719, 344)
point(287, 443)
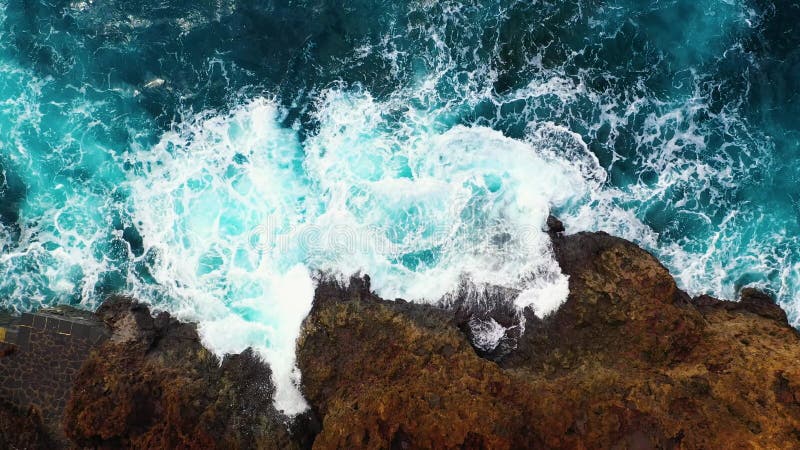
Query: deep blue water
point(210, 157)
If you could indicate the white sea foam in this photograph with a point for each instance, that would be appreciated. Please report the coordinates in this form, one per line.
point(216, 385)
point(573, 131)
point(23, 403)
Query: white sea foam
point(487, 334)
point(235, 213)
point(207, 186)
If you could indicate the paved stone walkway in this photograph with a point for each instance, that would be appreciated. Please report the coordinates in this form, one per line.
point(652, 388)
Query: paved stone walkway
point(40, 355)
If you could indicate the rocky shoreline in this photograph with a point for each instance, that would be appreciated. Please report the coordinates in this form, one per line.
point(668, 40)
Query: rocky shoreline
point(629, 361)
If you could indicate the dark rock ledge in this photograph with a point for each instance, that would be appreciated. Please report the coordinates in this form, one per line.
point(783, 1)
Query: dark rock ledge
point(629, 361)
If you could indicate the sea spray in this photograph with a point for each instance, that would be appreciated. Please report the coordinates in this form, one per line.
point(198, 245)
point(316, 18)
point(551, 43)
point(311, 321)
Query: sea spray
point(423, 143)
point(235, 215)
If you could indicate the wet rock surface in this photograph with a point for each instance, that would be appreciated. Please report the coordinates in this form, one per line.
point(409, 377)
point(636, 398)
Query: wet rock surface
point(153, 385)
point(23, 429)
point(37, 373)
point(398, 375)
point(629, 362)
point(488, 317)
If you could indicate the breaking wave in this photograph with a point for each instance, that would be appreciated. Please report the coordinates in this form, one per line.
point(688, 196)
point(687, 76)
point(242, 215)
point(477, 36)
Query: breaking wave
point(216, 159)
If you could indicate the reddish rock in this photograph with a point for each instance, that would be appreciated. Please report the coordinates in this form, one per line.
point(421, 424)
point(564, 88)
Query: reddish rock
point(153, 385)
point(22, 429)
point(397, 375)
point(629, 361)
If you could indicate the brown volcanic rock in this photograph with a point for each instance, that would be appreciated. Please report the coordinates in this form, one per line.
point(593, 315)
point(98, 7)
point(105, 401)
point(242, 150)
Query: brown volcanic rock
point(392, 374)
point(624, 309)
point(629, 361)
point(22, 429)
point(691, 374)
point(153, 385)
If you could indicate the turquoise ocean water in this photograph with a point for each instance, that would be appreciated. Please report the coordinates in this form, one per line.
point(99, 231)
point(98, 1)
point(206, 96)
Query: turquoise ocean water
point(212, 157)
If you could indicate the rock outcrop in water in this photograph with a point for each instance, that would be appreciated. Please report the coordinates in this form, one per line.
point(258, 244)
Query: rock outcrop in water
point(153, 385)
point(629, 361)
